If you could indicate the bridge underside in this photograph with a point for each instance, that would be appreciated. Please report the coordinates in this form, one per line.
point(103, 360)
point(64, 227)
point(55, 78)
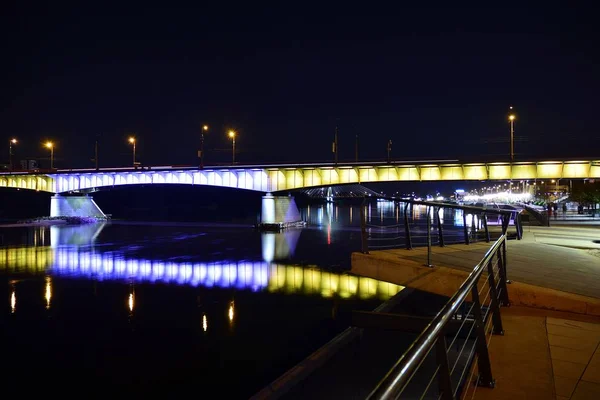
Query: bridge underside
point(275, 179)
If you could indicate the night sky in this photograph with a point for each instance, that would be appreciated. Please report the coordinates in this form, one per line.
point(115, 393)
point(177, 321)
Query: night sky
point(437, 82)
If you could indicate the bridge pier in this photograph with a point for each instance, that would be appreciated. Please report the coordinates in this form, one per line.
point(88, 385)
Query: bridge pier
point(279, 212)
point(74, 206)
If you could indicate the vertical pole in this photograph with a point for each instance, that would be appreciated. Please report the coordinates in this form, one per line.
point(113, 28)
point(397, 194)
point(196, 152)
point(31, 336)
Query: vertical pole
point(512, 140)
point(440, 226)
point(465, 227)
point(52, 157)
point(10, 154)
point(363, 227)
point(444, 381)
point(428, 210)
point(496, 318)
point(335, 146)
point(503, 279)
point(407, 228)
point(518, 225)
point(356, 149)
point(483, 357)
point(233, 156)
point(389, 149)
point(485, 226)
point(202, 148)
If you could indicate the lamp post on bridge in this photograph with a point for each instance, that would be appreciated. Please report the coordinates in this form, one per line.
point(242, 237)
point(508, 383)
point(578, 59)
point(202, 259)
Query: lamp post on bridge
point(389, 149)
point(132, 141)
point(50, 145)
point(511, 119)
point(10, 153)
point(232, 136)
point(202, 131)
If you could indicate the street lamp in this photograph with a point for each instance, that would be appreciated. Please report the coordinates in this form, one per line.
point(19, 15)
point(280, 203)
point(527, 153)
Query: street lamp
point(50, 145)
point(511, 119)
point(202, 131)
point(389, 149)
point(132, 141)
point(232, 136)
point(10, 154)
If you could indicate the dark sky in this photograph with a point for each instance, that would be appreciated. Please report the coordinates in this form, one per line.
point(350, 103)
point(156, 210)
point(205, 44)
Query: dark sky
point(437, 82)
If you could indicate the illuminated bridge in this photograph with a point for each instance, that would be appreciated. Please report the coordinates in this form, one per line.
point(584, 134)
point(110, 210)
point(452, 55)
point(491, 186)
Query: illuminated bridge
point(274, 178)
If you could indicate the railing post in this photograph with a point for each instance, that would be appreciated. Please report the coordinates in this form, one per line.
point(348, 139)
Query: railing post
point(483, 357)
point(444, 381)
point(363, 228)
point(440, 227)
point(503, 278)
point(496, 317)
point(485, 226)
point(505, 223)
point(428, 211)
point(407, 228)
point(519, 225)
point(465, 228)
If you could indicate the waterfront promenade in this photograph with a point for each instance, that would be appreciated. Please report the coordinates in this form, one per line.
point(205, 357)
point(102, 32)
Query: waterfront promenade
point(550, 349)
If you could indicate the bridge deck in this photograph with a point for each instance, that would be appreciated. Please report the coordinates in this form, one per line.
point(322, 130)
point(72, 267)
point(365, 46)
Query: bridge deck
point(273, 178)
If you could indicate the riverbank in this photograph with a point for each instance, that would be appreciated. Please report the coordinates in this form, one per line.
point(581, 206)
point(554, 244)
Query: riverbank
point(50, 221)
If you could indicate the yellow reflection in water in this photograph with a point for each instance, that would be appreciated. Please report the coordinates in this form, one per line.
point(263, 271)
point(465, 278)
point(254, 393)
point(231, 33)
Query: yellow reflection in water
point(13, 301)
point(231, 312)
point(204, 323)
point(28, 259)
point(48, 294)
point(295, 279)
point(131, 302)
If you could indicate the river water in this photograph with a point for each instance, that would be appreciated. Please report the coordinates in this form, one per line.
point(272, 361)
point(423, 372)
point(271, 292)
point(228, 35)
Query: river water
point(147, 308)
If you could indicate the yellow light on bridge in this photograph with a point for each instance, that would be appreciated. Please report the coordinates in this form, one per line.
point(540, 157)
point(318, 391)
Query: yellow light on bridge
point(511, 117)
point(49, 145)
point(13, 141)
point(132, 140)
point(231, 134)
point(204, 128)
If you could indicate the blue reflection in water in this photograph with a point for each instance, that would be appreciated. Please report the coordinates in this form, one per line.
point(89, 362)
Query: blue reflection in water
point(109, 266)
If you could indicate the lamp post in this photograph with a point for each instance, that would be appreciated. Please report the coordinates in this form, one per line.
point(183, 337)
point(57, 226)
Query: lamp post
point(389, 149)
point(50, 145)
point(511, 119)
point(204, 129)
point(132, 141)
point(10, 154)
point(232, 136)
point(334, 146)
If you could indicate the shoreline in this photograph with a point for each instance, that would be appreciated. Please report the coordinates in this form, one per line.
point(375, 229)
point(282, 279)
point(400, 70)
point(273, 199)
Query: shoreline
point(30, 224)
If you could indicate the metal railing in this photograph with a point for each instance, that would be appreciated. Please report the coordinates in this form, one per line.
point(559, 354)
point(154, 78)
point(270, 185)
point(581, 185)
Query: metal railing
point(407, 230)
point(466, 321)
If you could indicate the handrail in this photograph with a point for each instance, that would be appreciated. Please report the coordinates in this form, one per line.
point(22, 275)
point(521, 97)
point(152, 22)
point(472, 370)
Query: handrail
point(378, 236)
point(401, 373)
point(450, 205)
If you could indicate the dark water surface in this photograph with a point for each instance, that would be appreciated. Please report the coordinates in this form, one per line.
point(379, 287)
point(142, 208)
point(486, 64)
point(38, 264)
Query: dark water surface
point(138, 309)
